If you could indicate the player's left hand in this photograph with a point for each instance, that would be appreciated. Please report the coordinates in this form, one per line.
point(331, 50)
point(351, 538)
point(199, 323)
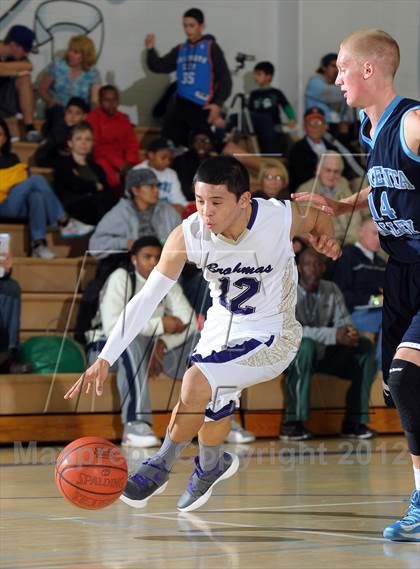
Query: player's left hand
point(93, 377)
point(325, 245)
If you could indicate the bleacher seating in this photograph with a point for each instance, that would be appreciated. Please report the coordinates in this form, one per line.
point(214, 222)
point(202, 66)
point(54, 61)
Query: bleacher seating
point(62, 248)
point(49, 290)
point(51, 293)
point(25, 150)
point(146, 134)
point(263, 406)
point(58, 275)
point(24, 397)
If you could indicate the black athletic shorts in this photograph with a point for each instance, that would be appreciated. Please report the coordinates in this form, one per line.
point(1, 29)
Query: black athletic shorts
point(401, 311)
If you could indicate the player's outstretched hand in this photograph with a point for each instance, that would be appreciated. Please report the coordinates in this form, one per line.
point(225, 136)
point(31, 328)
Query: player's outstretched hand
point(95, 376)
point(327, 205)
point(326, 246)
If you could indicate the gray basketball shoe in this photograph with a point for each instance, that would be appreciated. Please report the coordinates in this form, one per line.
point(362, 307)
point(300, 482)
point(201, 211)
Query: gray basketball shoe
point(150, 479)
point(201, 483)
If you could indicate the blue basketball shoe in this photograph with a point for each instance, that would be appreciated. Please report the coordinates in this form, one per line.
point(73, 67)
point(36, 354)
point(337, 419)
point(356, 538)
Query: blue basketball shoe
point(201, 483)
point(150, 479)
point(408, 528)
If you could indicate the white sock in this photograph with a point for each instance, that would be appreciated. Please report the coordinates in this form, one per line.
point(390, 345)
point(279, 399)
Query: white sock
point(417, 477)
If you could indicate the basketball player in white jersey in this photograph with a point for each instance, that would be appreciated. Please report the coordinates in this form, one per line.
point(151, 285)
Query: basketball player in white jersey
point(243, 247)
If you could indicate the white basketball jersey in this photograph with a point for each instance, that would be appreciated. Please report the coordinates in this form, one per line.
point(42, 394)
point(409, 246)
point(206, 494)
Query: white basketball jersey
point(252, 281)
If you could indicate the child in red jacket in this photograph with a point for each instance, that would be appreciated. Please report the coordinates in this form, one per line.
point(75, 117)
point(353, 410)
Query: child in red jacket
point(116, 148)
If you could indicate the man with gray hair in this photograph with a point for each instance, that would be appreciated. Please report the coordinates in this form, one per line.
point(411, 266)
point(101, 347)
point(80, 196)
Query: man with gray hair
point(330, 183)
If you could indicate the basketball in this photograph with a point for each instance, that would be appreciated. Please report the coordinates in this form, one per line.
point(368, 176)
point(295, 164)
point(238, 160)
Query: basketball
point(91, 473)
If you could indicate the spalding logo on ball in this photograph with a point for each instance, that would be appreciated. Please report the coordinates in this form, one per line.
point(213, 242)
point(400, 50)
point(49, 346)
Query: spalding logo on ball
point(91, 473)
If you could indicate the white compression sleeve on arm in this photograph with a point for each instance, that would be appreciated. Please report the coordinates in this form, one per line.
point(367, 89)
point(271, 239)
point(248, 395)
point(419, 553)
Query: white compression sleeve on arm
point(136, 314)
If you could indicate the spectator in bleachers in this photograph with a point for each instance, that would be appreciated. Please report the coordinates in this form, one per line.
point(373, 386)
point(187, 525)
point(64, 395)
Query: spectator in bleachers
point(55, 143)
point(274, 180)
point(10, 305)
point(360, 274)
point(330, 345)
point(23, 196)
point(265, 104)
point(186, 164)
point(329, 182)
point(360, 271)
point(305, 153)
point(321, 91)
point(116, 147)
point(160, 154)
point(163, 345)
point(80, 182)
point(138, 213)
point(299, 244)
point(16, 90)
point(203, 78)
point(75, 75)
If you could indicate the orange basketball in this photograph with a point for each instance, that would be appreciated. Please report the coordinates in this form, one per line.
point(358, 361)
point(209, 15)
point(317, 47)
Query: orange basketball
point(91, 473)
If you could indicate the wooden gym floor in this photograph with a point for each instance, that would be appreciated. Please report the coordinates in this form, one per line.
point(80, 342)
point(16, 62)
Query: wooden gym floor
point(315, 504)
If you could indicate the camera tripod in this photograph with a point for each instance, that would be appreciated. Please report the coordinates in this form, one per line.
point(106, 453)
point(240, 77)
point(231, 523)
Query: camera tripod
point(244, 127)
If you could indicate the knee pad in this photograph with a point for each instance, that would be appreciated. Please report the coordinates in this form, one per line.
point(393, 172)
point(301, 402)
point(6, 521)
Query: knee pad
point(225, 411)
point(404, 386)
point(389, 402)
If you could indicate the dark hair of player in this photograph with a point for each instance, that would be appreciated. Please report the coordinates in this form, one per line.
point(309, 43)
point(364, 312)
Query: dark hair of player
point(226, 171)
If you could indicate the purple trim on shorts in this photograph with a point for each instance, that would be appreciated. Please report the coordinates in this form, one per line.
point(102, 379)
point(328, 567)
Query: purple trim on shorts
point(225, 411)
point(231, 353)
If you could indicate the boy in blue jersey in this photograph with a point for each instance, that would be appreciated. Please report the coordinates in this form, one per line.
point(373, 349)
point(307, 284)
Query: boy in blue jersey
point(202, 75)
point(390, 135)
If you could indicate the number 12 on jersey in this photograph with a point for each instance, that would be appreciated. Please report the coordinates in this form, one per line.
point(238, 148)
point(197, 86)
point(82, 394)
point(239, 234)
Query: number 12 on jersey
point(251, 286)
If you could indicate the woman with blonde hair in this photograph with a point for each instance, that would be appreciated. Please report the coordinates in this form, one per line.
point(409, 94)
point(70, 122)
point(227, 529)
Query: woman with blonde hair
point(75, 75)
point(273, 180)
